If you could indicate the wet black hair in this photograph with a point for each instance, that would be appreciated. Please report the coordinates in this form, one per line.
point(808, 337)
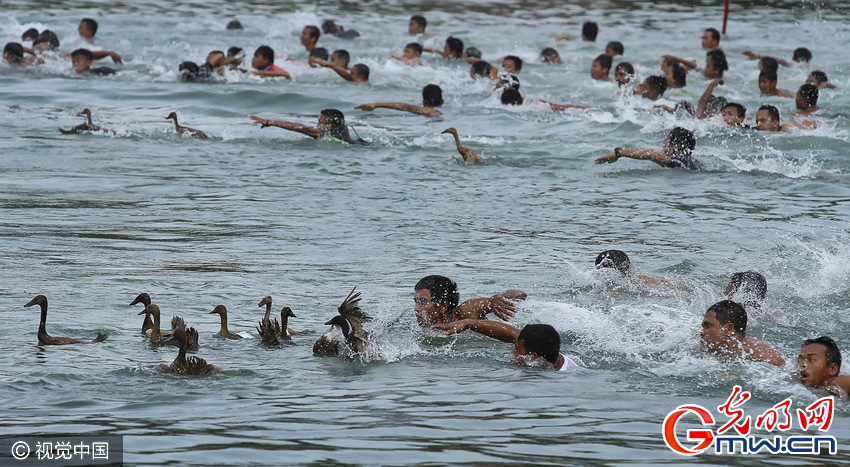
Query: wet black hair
point(548, 54)
point(718, 60)
point(329, 27)
point(343, 55)
point(362, 69)
point(802, 54)
point(716, 104)
point(686, 106)
point(314, 32)
point(234, 51)
point(630, 69)
point(432, 96)
point(517, 62)
point(614, 259)
point(30, 34)
point(772, 111)
point(769, 64)
point(84, 52)
point(683, 140)
point(91, 24)
point(820, 76)
point(659, 83)
point(616, 46)
point(810, 92)
point(541, 339)
point(14, 49)
point(319, 52)
point(605, 61)
point(680, 75)
point(233, 24)
point(749, 283)
point(420, 20)
point(715, 34)
point(334, 116)
point(455, 45)
point(768, 75)
point(833, 355)
point(443, 290)
point(473, 52)
point(415, 46)
point(49, 37)
point(265, 52)
point(509, 81)
point(590, 30)
point(511, 96)
point(728, 311)
point(742, 111)
point(481, 68)
point(188, 70)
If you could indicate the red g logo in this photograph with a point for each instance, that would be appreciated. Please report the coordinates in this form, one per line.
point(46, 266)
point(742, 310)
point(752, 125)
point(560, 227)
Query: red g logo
point(706, 436)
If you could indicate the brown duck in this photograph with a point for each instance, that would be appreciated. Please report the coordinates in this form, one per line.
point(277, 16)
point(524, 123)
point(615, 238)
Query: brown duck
point(350, 321)
point(187, 366)
point(147, 324)
point(221, 310)
point(184, 129)
point(87, 126)
point(46, 339)
point(469, 156)
point(156, 335)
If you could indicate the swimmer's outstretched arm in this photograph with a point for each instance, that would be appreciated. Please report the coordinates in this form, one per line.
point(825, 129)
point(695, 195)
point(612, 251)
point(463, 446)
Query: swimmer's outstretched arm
point(416, 109)
point(788, 127)
point(409, 61)
point(700, 113)
point(690, 64)
point(561, 107)
point(501, 331)
point(643, 154)
point(345, 74)
point(270, 74)
point(99, 54)
point(310, 131)
point(500, 305)
point(754, 56)
point(564, 37)
point(443, 53)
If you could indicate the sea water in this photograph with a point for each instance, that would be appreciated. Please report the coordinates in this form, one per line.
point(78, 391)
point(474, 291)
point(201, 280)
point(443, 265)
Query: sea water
point(91, 220)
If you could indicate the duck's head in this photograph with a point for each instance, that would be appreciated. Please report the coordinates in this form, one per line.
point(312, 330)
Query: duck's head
point(143, 298)
point(451, 130)
point(286, 312)
point(342, 323)
point(221, 310)
point(179, 336)
point(267, 300)
point(86, 112)
point(39, 300)
point(172, 115)
point(151, 309)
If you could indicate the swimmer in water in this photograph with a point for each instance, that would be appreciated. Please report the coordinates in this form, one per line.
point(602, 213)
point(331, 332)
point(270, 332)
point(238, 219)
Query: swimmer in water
point(711, 39)
point(767, 119)
point(819, 363)
point(411, 55)
point(309, 37)
point(819, 79)
point(13, 54)
point(550, 56)
point(87, 30)
point(715, 63)
point(614, 48)
point(807, 100)
point(320, 53)
point(82, 60)
point(359, 73)
point(340, 57)
point(589, 31)
point(330, 27)
point(724, 332)
point(436, 302)
point(482, 69)
point(734, 115)
point(417, 25)
point(534, 345)
point(801, 55)
point(512, 96)
point(767, 85)
point(651, 88)
point(331, 126)
point(453, 50)
point(601, 67)
point(624, 73)
point(676, 152)
point(619, 261)
point(675, 75)
point(750, 288)
point(432, 101)
point(263, 63)
point(234, 59)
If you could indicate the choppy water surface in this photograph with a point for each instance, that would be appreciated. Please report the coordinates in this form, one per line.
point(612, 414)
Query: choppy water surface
point(91, 221)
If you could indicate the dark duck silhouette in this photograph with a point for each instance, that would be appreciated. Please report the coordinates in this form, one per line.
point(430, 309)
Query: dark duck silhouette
point(184, 129)
point(182, 365)
point(271, 331)
point(469, 156)
point(46, 339)
point(87, 126)
point(147, 324)
point(350, 321)
point(156, 335)
point(221, 310)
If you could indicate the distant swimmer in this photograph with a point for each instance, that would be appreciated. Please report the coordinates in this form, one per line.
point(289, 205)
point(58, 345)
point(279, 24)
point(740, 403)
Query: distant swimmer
point(675, 75)
point(767, 85)
point(235, 58)
point(676, 152)
point(482, 69)
point(614, 48)
point(87, 126)
point(359, 73)
point(807, 100)
point(331, 126)
point(724, 332)
point(263, 63)
point(432, 102)
point(411, 55)
point(45, 338)
point(819, 79)
point(318, 53)
point(184, 129)
point(330, 27)
point(801, 55)
point(617, 260)
point(340, 57)
point(708, 106)
point(87, 30)
point(469, 156)
point(436, 298)
point(511, 64)
point(417, 25)
point(589, 31)
point(13, 54)
point(624, 73)
point(30, 35)
point(550, 56)
point(601, 67)
point(46, 41)
point(471, 54)
point(82, 60)
point(512, 96)
point(818, 365)
point(651, 88)
point(715, 63)
point(309, 36)
point(535, 345)
point(451, 51)
point(749, 289)
point(234, 25)
point(711, 39)
point(767, 119)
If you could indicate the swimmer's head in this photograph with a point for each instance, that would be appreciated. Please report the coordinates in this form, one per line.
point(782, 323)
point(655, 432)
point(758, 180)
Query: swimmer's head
point(768, 64)
point(331, 118)
point(624, 73)
point(589, 31)
point(263, 57)
point(508, 82)
point(319, 52)
point(480, 68)
point(727, 312)
point(802, 55)
point(652, 87)
point(435, 295)
point(767, 118)
point(87, 28)
point(432, 96)
point(188, 70)
point(454, 46)
point(817, 78)
point(417, 24)
point(216, 58)
point(614, 48)
point(540, 340)
point(309, 36)
point(750, 286)
point(767, 81)
point(30, 34)
point(237, 52)
point(511, 96)
point(340, 57)
point(680, 141)
point(710, 38)
point(412, 50)
point(550, 55)
point(601, 66)
point(512, 64)
point(807, 96)
point(233, 24)
point(614, 259)
point(676, 75)
point(13, 53)
point(819, 361)
point(734, 114)
point(472, 52)
point(360, 70)
point(715, 105)
point(47, 40)
point(330, 27)
point(716, 60)
point(82, 60)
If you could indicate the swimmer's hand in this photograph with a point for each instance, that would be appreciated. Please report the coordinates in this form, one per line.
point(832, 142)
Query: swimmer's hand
point(365, 107)
point(454, 327)
point(264, 122)
point(610, 158)
point(115, 57)
point(502, 307)
point(718, 82)
point(665, 107)
point(319, 61)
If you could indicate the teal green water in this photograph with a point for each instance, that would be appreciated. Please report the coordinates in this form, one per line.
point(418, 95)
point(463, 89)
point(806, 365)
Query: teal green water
point(92, 220)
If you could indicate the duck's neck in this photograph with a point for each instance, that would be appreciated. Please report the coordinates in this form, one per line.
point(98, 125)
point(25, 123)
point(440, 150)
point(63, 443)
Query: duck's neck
point(224, 331)
point(147, 323)
point(179, 363)
point(267, 318)
point(42, 325)
point(156, 333)
point(176, 125)
point(88, 118)
point(284, 329)
point(457, 142)
point(346, 329)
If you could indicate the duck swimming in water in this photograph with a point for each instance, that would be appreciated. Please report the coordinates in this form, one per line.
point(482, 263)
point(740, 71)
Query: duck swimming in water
point(269, 331)
point(158, 338)
point(285, 332)
point(147, 324)
point(46, 339)
point(87, 126)
point(469, 156)
point(221, 310)
point(182, 365)
point(350, 321)
point(184, 129)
